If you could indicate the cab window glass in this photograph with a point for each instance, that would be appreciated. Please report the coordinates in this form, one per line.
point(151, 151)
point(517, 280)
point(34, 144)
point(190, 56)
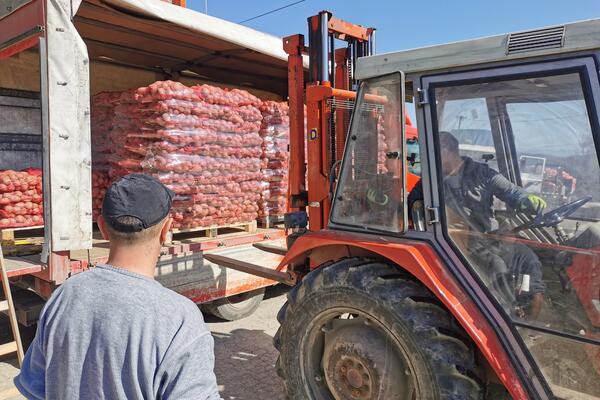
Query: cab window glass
point(413, 152)
point(556, 152)
point(532, 234)
point(369, 191)
point(469, 122)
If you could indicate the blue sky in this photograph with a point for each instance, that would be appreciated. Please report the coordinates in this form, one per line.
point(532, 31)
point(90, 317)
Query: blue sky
point(407, 24)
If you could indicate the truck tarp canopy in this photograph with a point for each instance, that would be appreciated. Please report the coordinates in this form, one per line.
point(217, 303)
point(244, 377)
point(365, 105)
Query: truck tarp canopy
point(161, 37)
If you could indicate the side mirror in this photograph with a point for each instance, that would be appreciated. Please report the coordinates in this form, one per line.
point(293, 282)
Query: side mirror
point(412, 159)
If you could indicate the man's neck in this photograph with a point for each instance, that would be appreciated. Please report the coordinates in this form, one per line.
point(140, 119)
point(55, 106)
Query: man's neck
point(140, 259)
point(457, 167)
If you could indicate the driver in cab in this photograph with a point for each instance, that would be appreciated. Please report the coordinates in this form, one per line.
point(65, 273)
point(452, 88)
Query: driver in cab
point(469, 191)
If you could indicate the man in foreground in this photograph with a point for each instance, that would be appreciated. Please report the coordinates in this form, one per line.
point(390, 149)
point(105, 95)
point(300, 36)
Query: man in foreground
point(114, 332)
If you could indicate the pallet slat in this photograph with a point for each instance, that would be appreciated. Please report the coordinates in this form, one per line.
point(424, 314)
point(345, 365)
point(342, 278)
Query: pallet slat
point(8, 348)
point(7, 235)
point(213, 231)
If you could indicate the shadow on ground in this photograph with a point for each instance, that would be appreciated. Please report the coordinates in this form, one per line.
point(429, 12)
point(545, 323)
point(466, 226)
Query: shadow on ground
point(245, 365)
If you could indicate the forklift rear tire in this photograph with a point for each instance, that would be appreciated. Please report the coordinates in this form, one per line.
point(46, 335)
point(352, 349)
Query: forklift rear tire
point(358, 329)
point(236, 307)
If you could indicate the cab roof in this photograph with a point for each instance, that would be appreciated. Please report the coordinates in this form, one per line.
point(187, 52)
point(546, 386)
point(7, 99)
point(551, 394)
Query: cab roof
point(572, 37)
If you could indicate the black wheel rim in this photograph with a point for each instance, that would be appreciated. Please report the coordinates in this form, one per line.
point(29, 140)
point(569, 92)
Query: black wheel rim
point(349, 354)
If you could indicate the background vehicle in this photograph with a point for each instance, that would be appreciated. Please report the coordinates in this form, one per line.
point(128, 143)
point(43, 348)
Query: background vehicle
point(382, 308)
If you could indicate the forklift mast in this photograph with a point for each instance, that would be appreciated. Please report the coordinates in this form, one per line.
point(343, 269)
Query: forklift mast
point(329, 98)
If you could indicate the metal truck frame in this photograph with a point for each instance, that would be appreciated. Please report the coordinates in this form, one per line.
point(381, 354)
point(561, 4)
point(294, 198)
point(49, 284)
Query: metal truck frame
point(65, 50)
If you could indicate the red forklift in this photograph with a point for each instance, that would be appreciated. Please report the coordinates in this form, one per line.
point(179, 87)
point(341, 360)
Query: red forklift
point(399, 300)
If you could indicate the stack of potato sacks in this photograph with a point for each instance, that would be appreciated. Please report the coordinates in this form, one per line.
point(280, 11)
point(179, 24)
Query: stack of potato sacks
point(103, 106)
point(21, 198)
point(201, 141)
point(275, 133)
point(382, 146)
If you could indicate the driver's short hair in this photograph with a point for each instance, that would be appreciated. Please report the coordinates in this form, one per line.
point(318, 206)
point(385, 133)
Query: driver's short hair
point(448, 142)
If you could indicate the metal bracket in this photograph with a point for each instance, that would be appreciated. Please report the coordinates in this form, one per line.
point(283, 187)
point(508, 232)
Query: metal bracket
point(299, 200)
point(434, 215)
point(422, 97)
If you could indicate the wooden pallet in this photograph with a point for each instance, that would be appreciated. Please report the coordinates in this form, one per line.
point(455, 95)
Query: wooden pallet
point(7, 235)
point(19, 250)
point(271, 221)
point(211, 231)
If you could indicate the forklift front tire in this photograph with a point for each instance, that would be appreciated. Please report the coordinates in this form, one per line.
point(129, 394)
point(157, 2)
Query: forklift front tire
point(358, 329)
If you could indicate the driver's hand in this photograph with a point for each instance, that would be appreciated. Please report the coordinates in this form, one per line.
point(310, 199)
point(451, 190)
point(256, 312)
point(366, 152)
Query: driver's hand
point(533, 204)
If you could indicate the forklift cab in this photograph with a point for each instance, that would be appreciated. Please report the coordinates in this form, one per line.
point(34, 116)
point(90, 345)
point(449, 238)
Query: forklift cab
point(524, 106)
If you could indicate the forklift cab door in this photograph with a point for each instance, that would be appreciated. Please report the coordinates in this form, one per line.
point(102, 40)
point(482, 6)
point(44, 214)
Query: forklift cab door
point(370, 191)
point(514, 147)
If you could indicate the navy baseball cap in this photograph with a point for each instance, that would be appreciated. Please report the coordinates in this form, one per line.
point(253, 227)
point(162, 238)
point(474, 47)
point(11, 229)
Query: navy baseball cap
point(136, 195)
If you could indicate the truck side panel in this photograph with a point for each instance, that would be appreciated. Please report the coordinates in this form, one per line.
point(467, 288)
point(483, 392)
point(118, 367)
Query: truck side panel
point(200, 280)
point(66, 130)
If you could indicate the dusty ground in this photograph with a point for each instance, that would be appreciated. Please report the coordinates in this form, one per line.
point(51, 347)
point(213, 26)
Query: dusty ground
point(245, 357)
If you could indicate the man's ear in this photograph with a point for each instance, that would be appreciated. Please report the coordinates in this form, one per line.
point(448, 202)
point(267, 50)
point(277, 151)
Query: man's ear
point(164, 232)
point(102, 227)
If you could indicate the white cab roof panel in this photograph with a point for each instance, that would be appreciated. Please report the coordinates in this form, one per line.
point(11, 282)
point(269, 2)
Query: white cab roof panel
point(577, 36)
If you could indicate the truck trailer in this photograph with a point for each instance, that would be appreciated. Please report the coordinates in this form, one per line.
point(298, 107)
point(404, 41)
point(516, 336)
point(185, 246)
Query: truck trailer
point(55, 55)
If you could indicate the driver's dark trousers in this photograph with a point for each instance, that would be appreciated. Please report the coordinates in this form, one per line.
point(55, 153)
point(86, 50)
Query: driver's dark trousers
point(518, 261)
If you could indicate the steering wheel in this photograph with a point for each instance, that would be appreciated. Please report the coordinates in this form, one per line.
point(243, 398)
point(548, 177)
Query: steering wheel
point(554, 217)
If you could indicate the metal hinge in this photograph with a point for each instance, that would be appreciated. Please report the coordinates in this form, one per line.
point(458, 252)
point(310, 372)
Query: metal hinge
point(422, 97)
point(434, 215)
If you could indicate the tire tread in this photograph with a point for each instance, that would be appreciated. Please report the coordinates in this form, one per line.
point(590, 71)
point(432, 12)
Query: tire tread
point(449, 352)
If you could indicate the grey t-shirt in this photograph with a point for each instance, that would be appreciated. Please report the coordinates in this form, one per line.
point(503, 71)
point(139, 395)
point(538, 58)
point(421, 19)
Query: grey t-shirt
point(109, 333)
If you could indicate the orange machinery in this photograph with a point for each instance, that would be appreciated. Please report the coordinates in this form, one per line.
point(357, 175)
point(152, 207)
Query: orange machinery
point(328, 98)
point(382, 309)
point(325, 104)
